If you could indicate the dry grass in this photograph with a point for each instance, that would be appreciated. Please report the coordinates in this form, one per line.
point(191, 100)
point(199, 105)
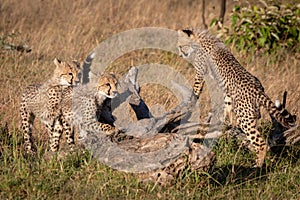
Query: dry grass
point(71, 29)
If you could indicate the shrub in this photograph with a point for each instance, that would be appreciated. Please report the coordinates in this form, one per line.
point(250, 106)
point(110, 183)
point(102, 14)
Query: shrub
point(267, 27)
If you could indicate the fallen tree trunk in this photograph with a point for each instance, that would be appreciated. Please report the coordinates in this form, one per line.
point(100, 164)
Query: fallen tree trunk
point(154, 148)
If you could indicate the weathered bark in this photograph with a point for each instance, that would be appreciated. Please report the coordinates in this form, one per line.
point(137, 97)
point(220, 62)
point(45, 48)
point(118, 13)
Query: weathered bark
point(286, 138)
point(153, 148)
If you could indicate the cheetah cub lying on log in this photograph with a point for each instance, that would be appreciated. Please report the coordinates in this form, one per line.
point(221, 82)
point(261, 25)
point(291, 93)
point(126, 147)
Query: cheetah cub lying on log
point(244, 91)
point(43, 101)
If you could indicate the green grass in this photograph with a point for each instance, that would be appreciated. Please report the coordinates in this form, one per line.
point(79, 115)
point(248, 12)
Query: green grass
point(78, 176)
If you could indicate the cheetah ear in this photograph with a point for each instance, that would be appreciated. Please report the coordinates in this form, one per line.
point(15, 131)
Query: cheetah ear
point(77, 64)
point(188, 32)
point(113, 74)
point(57, 62)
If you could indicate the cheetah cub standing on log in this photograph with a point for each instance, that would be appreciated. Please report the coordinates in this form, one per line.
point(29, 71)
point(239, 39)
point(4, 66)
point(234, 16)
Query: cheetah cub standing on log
point(43, 101)
point(85, 106)
point(242, 89)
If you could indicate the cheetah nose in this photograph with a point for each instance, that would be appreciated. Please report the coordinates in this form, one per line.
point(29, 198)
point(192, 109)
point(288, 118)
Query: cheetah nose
point(183, 55)
point(180, 54)
point(114, 93)
point(77, 82)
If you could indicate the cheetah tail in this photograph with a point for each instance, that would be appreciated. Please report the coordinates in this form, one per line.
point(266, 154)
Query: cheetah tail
point(279, 113)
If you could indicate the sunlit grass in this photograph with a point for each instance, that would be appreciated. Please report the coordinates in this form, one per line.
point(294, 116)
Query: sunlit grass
point(78, 175)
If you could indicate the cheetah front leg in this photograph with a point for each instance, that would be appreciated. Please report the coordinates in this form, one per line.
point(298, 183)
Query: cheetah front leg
point(198, 84)
point(90, 122)
point(247, 120)
point(229, 115)
point(27, 119)
point(55, 136)
point(68, 130)
point(60, 126)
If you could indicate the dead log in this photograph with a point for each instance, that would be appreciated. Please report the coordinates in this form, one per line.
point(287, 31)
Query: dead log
point(288, 137)
point(155, 149)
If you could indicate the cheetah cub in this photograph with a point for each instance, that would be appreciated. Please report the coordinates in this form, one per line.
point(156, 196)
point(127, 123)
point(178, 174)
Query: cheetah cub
point(243, 92)
point(83, 107)
point(43, 100)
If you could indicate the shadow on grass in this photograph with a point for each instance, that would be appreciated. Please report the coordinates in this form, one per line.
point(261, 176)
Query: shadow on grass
point(239, 174)
point(290, 153)
point(236, 174)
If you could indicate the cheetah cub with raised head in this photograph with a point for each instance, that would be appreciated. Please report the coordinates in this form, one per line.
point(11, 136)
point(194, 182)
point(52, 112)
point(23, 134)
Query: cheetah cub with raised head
point(43, 101)
point(85, 107)
point(242, 90)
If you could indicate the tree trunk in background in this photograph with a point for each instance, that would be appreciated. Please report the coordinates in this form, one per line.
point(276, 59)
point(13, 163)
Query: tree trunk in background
point(222, 11)
point(221, 16)
point(203, 14)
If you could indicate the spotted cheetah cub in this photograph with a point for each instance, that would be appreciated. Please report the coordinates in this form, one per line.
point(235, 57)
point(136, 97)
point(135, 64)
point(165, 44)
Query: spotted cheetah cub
point(43, 101)
point(85, 106)
point(244, 91)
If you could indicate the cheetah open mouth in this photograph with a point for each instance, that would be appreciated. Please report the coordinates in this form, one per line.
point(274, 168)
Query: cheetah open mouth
point(65, 82)
point(184, 55)
point(113, 95)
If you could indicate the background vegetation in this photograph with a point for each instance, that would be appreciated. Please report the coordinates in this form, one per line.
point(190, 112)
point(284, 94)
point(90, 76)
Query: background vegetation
point(34, 32)
point(268, 27)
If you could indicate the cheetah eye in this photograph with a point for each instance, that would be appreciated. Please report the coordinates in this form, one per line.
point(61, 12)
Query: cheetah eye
point(70, 74)
point(107, 84)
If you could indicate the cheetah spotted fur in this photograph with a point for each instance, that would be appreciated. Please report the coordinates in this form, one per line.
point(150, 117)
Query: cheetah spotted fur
point(242, 90)
point(87, 107)
point(43, 101)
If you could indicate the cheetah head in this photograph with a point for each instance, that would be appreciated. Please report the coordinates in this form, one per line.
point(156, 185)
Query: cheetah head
point(191, 40)
point(67, 74)
point(185, 42)
point(107, 85)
